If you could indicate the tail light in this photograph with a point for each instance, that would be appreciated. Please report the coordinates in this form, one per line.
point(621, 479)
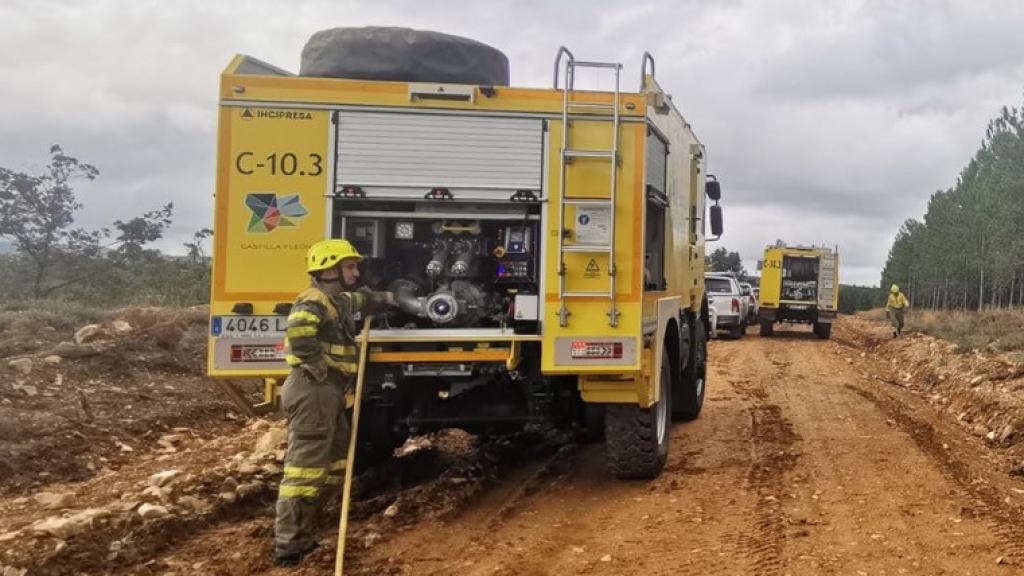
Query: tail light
point(735, 304)
point(257, 352)
point(587, 350)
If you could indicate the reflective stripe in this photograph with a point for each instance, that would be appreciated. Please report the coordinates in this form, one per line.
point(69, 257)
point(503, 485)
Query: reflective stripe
point(303, 315)
point(349, 367)
point(339, 357)
point(345, 365)
point(298, 472)
point(338, 465)
point(300, 331)
point(287, 491)
point(341, 349)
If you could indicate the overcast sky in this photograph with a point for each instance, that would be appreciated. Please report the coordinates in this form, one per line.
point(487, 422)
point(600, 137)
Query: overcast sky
point(826, 121)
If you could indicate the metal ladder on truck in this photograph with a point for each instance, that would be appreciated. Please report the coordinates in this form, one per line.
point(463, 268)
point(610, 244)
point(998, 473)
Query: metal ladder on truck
point(569, 154)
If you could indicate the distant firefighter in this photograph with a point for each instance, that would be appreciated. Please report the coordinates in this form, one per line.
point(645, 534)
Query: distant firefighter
point(895, 307)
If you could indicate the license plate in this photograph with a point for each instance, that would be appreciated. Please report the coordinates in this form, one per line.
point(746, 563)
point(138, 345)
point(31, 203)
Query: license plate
point(248, 326)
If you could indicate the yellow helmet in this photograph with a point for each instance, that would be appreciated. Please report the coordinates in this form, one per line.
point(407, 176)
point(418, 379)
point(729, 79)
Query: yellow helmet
point(895, 289)
point(327, 253)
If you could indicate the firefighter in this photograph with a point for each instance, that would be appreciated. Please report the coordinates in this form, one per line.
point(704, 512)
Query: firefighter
point(320, 348)
point(895, 307)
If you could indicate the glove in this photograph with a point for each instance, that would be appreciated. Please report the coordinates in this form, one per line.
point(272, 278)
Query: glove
point(379, 299)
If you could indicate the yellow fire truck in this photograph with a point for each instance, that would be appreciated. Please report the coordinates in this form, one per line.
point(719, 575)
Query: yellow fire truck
point(546, 246)
point(799, 285)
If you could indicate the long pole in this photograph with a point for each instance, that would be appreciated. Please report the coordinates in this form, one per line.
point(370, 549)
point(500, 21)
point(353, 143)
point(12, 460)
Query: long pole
point(346, 493)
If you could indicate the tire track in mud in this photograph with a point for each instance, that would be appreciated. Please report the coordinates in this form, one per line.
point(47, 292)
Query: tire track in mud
point(712, 475)
point(772, 456)
point(494, 508)
point(986, 501)
point(557, 463)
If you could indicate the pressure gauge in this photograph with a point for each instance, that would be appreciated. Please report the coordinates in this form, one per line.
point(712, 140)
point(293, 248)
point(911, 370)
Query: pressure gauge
point(404, 230)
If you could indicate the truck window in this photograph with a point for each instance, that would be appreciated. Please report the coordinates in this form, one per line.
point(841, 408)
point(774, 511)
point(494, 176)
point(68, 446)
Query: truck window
point(655, 180)
point(718, 286)
point(654, 244)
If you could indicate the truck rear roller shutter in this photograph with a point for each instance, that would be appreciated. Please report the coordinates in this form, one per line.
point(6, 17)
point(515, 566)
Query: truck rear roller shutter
point(404, 155)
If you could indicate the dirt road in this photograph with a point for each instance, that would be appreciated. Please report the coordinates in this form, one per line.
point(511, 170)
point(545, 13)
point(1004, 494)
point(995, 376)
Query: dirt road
point(798, 465)
point(805, 461)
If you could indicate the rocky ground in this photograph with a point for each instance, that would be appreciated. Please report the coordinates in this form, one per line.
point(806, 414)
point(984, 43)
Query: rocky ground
point(860, 455)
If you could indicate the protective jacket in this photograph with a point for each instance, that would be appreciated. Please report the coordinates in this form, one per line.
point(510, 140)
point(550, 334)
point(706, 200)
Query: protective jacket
point(321, 332)
point(896, 301)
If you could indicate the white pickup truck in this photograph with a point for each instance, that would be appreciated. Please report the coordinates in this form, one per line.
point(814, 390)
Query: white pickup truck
point(730, 305)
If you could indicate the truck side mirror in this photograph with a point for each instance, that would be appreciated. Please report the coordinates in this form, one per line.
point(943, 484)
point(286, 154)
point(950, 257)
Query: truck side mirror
point(716, 219)
point(713, 189)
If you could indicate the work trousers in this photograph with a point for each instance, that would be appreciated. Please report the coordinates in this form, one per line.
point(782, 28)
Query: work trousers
point(896, 318)
point(314, 465)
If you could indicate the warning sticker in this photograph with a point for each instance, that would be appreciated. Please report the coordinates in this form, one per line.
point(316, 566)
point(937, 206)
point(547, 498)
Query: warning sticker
point(592, 270)
point(593, 225)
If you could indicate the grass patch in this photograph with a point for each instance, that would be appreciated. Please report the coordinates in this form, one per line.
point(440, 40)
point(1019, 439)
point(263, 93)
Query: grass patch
point(29, 315)
point(875, 314)
point(26, 316)
point(993, 330)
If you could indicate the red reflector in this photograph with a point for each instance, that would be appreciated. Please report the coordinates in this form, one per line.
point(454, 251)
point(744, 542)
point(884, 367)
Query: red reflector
point(257, 352)
point(735, 305)
point(584, 350)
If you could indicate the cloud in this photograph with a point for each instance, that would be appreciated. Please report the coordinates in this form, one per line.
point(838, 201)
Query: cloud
point(862, 242)
point(891, 50)
point(827, 122)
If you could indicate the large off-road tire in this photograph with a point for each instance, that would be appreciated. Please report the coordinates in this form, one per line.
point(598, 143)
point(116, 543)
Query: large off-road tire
point(767, 328)
point(637, 438)
point(823, 330)
point(688, 400)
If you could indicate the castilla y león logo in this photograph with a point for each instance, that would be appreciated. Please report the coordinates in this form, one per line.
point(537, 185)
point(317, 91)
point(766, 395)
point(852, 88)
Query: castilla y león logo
point(269, 211)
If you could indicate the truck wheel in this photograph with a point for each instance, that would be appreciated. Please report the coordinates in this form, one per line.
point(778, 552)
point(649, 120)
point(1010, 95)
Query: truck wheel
point(736, 332)
point(637, 438)
point(766, 329)
point(823, 330)
point(687, 404)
